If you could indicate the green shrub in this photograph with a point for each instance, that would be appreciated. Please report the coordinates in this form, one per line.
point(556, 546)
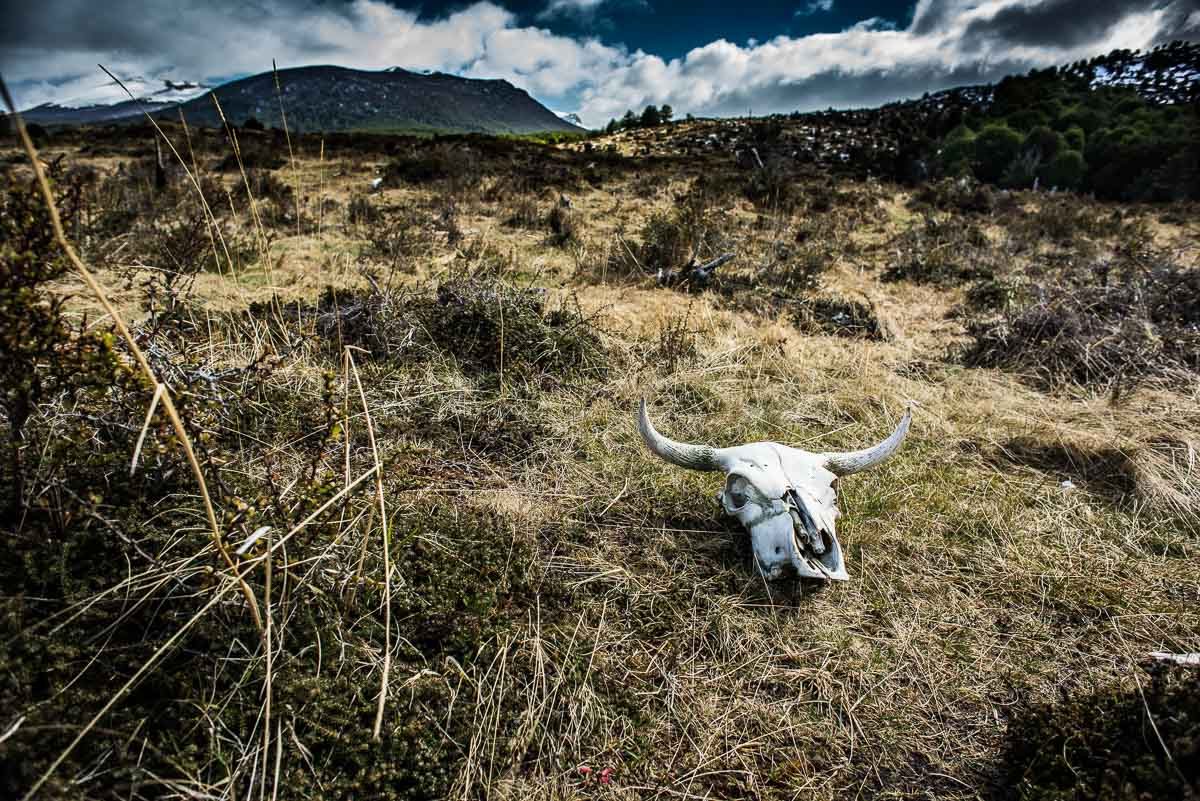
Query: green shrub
point(1086, 118)
point(958, 151)
point(1044, 141)
point(1021, 171)
point(1026, 118)
point(996, 147)
point(1066, 170)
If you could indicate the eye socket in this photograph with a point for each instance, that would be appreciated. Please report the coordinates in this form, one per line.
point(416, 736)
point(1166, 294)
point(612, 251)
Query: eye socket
point(738, 492)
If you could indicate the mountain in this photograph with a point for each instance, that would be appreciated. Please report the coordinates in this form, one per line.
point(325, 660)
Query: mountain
point(572, 118)
point(324, 98)
point(338, 99)
point(108, 102)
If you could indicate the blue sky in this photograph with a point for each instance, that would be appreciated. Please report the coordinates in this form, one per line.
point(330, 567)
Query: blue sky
point(670, 29)
point(594, 57)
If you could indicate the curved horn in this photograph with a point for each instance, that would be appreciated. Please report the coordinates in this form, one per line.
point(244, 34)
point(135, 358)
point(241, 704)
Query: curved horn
point(684, 454)
point(843, 464)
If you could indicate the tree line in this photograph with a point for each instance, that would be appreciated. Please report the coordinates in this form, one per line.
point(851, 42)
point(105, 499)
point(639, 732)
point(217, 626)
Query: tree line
point(651, 117)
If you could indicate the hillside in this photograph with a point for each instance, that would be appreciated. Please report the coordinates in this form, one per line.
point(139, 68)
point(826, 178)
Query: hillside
point(1124, 126)
point(108, 102)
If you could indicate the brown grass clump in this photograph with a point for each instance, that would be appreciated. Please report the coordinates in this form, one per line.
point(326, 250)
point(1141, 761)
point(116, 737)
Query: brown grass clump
point(942, 251)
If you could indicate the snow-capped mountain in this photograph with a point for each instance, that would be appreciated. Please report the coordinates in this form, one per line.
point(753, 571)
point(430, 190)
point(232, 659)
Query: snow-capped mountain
point(571, 117)
point(109, 92)
point(106, 101)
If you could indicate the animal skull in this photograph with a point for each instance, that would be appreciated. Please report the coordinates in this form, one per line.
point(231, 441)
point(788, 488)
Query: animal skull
point(785, 497)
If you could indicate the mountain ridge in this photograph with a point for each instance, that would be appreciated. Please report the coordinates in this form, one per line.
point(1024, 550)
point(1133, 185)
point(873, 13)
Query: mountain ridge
point(320, 98)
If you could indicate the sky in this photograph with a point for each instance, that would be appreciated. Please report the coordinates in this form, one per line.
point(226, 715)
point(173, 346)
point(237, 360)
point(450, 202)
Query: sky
point(593, 57)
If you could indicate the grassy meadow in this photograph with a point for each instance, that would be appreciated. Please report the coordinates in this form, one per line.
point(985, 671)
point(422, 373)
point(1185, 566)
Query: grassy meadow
point(440, 562)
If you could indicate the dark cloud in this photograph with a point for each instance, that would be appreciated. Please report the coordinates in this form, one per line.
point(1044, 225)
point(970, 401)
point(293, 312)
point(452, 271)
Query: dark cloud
point(126, 26)
point(1055, 23)
point(1182, 22)
point(837, 89)
point(932, 15)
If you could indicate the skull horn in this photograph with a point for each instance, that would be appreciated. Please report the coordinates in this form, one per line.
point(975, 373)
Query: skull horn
point(683, 454)
point(843, 464)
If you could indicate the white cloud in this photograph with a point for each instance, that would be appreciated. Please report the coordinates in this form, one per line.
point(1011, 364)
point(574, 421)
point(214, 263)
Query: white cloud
point(481, 40)
point(868, 63)
point(47, 55)
point(576, 8)
point(815, 6)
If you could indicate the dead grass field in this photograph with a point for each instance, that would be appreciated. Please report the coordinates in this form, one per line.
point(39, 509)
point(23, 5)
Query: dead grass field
point(570, 617)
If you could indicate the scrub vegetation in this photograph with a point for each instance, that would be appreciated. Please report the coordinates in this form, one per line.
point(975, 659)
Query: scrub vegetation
point(441, 564)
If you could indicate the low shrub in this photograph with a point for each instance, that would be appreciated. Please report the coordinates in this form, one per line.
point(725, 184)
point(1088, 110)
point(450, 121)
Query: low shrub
point(1129, 326)
point(841, 317)
point(564, 225)
point(361, 211)
point(942, 251)
point(1115, 743)
point(423, 164)
point(484, 324)
point(524, 213)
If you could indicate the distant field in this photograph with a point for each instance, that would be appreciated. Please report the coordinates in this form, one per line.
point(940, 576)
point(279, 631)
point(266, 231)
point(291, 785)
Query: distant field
point(413, 404)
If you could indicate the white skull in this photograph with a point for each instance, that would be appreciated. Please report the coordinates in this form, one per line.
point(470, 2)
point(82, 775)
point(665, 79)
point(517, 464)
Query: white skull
point(785, 497)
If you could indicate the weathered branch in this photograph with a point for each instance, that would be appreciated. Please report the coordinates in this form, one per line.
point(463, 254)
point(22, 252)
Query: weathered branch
point(692, 274)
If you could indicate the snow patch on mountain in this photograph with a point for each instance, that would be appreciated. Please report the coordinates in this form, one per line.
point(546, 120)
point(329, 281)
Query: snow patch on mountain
point(109, 92)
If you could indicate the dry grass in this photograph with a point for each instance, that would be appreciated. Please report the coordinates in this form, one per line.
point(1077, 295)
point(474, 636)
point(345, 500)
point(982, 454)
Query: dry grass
point(561, 600)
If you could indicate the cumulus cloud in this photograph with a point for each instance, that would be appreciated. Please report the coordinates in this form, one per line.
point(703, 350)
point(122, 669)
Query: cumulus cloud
point(949, 43)
point(52, 50)
point(49, 50)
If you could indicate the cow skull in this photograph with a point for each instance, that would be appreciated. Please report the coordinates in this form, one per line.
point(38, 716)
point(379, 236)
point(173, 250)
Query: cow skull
point(785, 497)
